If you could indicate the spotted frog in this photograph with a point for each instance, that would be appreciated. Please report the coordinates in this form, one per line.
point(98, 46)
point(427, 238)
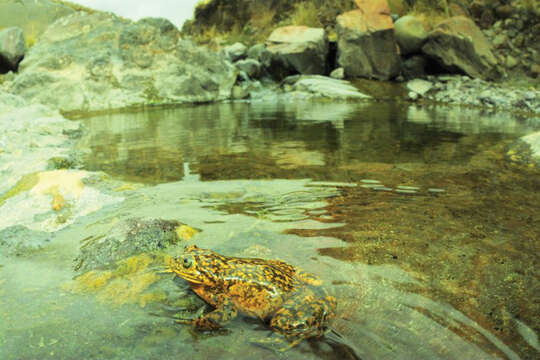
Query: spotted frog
point(293, 301)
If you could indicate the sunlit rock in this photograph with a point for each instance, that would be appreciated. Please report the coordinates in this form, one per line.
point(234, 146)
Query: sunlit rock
point(410, 34)
point(298, 49)
point(366, 43)
point(87, 62)
point(457, 43)
point(29, 137)
point(51, 200)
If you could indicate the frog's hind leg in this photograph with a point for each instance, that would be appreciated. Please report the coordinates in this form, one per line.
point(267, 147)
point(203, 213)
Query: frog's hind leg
point(276, 342)
point(308, 278)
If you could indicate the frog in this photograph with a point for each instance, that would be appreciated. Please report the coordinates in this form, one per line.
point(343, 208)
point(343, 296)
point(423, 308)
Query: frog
point(291, 301)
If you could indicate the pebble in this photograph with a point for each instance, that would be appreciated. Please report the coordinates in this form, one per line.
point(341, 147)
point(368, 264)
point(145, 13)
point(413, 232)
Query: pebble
point(403, 187)
point(369, 181)
point(436, 191)
point(404, 191)
point(371, 186)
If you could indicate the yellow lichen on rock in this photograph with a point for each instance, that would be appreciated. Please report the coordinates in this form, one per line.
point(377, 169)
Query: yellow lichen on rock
point(26, 183)
point(185, 232)
point(127, 284)
point(89, 282)
point(133, 264)
point(128, 187)
point(128, 289)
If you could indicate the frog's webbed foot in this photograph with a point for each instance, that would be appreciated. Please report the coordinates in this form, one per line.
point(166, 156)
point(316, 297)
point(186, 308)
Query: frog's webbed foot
point(276, 342)
point(214, 319)
point(190, 320)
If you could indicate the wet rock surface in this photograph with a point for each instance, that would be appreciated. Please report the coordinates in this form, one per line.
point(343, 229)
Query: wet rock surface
point(30, 135)
point(18, 240)
point(129, 238)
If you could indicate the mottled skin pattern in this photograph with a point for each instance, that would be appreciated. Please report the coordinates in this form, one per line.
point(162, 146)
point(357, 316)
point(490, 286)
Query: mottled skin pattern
point(291, 299)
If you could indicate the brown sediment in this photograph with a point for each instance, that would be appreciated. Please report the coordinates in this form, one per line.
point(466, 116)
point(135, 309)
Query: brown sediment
point(475, 246)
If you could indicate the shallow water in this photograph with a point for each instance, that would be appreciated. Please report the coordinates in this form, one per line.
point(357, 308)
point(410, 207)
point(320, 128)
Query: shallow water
point(413, 217)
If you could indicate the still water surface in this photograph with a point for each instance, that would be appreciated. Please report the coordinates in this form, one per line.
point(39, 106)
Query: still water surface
point(413, 216)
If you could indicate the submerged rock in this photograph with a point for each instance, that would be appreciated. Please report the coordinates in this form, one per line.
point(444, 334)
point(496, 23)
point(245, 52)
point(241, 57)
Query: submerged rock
point(458, 44)
point(88, 62)
point(19, 240)
point(12, 49)
point(298, 49)
point(128, 238)
point(366, 43)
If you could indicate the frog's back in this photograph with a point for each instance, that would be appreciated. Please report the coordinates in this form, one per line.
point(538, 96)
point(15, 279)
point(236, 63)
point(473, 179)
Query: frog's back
point(274, 274)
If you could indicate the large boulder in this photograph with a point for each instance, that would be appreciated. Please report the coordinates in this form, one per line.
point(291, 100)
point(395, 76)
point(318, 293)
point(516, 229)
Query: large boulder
point(298, 49)
point(366, 43)
point(90, 62)
point(410, 34)
point(33, 16)
point(458, 44)
point(12, 49)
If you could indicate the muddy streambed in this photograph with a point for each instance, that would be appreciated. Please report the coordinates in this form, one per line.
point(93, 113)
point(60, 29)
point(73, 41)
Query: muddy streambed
point(418, 219)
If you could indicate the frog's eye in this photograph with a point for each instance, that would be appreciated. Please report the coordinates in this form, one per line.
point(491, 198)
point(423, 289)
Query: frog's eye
point(187, 262)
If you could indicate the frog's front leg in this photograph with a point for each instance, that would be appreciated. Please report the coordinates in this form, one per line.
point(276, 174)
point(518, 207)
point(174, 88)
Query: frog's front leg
point(215, 319)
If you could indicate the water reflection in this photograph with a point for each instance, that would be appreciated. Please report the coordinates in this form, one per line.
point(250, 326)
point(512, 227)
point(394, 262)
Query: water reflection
point(429, 276)
point(275, 140)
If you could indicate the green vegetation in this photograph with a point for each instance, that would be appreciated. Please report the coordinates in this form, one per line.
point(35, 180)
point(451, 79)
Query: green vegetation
point(220, 21)
point(74, 6)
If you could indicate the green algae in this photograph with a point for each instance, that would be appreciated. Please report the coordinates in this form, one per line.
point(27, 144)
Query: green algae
point(128, 283)
point(26, 183)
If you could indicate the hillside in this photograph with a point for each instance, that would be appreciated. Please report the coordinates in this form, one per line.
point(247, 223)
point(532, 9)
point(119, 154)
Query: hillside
point(251, 21)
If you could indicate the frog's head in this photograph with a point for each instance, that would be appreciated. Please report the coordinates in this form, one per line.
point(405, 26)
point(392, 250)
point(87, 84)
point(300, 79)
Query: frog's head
point(198, 266)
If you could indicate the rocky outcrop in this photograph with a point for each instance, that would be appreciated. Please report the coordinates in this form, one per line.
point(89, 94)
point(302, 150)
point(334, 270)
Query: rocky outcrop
point(322, 86)
point(12, 49)
point(458, 44)
point(89, 62)
point(366, 43)
point(410, 34)
point(298, 49)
